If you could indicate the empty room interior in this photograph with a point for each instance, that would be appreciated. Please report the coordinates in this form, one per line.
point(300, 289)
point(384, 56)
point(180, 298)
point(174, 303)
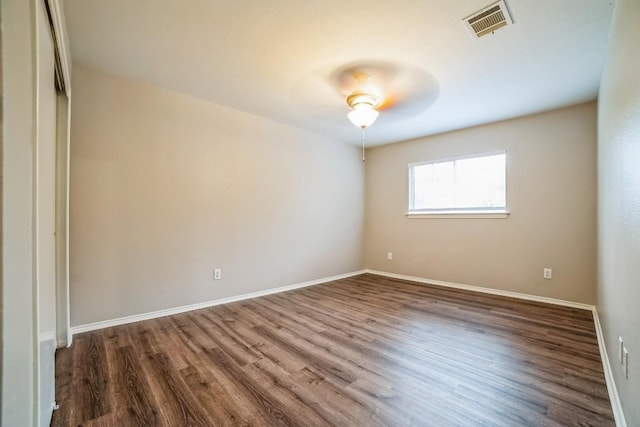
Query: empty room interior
point(310, 213)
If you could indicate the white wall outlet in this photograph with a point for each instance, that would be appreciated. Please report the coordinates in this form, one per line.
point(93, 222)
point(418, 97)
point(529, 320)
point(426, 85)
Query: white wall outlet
point(620, 350)
point(389, 256)
point(625, 354)
point(217, 274)
point(547, 273)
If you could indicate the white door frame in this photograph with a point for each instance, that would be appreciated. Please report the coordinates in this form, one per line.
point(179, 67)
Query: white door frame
point(63, 320)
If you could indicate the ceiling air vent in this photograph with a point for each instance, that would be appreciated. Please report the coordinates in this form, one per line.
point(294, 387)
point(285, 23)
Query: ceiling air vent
point(488, 19)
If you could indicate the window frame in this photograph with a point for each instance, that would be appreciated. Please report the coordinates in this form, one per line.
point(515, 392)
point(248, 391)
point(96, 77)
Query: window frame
point(480, 212)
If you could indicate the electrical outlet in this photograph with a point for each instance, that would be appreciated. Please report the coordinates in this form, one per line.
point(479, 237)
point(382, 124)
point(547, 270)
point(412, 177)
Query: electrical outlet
point(389, 256)
point(217, 274)
point(625, 355)
point(547, 273)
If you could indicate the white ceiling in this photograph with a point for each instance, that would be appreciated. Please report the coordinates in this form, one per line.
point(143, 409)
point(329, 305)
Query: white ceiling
point(280, 59)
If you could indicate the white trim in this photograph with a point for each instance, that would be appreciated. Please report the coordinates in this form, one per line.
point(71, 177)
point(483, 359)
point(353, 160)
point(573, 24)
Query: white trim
point(176, 310)
point(484, 290)
point(63, 315)
point(457, 215)
point(616, 406)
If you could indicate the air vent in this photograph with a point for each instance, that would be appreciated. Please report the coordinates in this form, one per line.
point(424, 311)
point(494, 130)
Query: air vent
point(488, 20)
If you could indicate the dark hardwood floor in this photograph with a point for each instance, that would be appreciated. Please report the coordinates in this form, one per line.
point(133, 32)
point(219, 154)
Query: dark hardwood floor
point(362, 351)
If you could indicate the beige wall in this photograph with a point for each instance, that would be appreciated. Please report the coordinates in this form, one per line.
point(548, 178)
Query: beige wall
point(551, 194)
point(619, 202)
point(165, 187)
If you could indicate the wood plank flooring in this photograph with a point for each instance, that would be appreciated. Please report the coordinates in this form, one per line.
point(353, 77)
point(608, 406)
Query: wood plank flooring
point(363, 351)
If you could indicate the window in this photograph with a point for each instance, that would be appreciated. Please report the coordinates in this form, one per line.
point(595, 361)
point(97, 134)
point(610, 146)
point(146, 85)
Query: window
point(465, 186)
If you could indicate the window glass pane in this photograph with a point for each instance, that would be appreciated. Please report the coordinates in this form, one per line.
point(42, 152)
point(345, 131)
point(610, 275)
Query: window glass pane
point(464, 184)
point(480, 182)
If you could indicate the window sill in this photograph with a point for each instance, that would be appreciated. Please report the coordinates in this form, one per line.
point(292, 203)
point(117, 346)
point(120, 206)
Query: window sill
point(458, 215)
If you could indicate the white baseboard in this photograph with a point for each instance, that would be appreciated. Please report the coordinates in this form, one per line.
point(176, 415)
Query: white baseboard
point(616, 406)
point(484, 290)
point(176, 310)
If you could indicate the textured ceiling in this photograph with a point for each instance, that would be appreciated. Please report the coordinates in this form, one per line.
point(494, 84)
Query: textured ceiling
point(281, 59)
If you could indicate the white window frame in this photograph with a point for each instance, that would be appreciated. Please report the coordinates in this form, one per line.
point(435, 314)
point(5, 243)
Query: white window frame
point(455, 212)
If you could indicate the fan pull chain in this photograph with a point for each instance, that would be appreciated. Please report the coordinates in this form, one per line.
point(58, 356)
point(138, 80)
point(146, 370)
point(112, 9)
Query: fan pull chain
point(363, 143)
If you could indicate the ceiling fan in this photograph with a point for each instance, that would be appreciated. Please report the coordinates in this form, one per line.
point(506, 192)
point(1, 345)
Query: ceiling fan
point(367, 88)
point(370, 86)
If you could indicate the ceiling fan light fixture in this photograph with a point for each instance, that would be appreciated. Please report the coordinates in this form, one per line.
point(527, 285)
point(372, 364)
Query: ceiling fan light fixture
point(363, 106)
point(363, 115)
point(363, 110)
